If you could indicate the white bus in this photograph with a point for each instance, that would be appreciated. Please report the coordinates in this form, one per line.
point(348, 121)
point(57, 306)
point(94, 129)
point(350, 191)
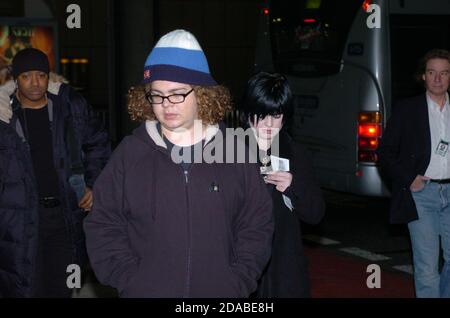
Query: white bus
point(347, 73)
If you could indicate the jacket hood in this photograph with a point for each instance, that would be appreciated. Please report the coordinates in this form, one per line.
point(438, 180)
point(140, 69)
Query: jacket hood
point(9, 88)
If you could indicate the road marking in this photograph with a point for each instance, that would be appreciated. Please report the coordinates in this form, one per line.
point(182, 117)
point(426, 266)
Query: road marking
point(405, 268)
point(87, 291)
point(94, 290)
point(320, 240)
point(364, 254)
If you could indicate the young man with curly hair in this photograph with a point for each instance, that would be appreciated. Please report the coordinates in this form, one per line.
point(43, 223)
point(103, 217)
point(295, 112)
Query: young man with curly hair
point(161, 228)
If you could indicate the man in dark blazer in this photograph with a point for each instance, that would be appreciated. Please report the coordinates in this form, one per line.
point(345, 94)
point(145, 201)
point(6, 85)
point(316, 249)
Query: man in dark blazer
point(414, 152)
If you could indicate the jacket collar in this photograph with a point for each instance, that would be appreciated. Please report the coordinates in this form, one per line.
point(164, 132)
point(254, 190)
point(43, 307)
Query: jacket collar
point(8, 89)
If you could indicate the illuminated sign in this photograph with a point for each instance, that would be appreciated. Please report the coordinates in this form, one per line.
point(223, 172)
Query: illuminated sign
point(14, 38)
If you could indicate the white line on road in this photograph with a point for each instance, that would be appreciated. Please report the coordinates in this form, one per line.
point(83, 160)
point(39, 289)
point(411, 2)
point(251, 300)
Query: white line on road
point(94, 290)
point(320, 240)
point(405, 268)
point(364, 254)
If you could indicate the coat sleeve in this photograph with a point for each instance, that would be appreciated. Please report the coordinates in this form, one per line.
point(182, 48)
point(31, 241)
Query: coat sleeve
point(95, 142)
point(390, 146)
point(304, 191)
point(105, 226)
point(6, 90)
point(253, 231)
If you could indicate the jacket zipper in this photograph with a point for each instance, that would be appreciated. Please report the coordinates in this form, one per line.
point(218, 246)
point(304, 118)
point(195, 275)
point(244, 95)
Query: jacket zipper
point(188, 270)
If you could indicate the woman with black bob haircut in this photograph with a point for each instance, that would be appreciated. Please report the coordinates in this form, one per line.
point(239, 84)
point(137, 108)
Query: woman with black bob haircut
point(267, 107)
point(267, 94)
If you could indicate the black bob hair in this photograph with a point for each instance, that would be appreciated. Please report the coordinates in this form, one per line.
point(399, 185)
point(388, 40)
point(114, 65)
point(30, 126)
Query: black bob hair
point(266, 94)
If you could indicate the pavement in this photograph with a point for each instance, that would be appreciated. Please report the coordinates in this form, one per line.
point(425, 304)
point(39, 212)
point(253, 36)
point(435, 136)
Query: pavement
point(346, 276)
point(333, 274)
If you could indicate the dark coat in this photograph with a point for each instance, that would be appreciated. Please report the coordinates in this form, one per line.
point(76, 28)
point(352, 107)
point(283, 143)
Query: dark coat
point(286, 275)
point(156, 232)
point(404, 153)
point(19, 218)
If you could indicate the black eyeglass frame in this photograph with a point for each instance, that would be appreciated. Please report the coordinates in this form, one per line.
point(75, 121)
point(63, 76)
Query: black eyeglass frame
point(149, 96)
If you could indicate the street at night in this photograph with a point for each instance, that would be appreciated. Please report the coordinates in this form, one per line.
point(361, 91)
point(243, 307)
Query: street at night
point(248, 150)
point(355, 233)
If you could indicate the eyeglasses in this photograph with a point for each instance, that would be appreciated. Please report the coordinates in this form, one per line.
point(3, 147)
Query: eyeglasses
point(174, 98)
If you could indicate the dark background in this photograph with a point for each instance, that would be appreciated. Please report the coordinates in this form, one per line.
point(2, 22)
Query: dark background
point(117, 35)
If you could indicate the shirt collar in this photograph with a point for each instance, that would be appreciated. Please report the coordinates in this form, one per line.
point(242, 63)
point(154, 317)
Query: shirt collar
point(434, 106)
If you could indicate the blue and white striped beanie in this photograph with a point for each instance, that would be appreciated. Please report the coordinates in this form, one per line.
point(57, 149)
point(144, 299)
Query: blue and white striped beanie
point(178, 57)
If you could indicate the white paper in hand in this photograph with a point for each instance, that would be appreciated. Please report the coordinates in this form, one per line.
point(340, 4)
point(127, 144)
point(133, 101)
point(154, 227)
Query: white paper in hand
point(279, 164)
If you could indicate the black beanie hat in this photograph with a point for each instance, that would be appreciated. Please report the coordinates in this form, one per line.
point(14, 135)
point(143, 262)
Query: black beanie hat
point(30, 59)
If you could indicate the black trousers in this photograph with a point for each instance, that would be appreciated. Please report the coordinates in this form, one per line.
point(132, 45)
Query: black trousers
point(53, 256)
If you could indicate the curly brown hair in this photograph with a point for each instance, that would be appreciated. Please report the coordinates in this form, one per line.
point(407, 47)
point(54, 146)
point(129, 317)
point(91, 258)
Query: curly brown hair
point(432, 54)
point(213, 103)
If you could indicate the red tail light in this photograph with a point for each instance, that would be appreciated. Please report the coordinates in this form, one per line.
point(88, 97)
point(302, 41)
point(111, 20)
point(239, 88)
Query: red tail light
point(369, 134)
point(368, 143)
point(369, 130)
point(366, 5)
point(367, 156)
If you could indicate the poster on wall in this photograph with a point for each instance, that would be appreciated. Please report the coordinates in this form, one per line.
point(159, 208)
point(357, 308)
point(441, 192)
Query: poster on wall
point(15, 35)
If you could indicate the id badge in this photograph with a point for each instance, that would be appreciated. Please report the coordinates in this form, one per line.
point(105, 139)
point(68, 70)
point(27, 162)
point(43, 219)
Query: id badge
point(442, 148)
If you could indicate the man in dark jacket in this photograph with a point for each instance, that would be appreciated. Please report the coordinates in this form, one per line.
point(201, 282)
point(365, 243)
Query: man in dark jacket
point(414, 152)
point(50, 140)
point(161, 227)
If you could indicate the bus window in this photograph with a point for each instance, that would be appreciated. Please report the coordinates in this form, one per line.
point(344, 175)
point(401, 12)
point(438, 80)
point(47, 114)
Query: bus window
point(411, 37)
point(308, 36)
